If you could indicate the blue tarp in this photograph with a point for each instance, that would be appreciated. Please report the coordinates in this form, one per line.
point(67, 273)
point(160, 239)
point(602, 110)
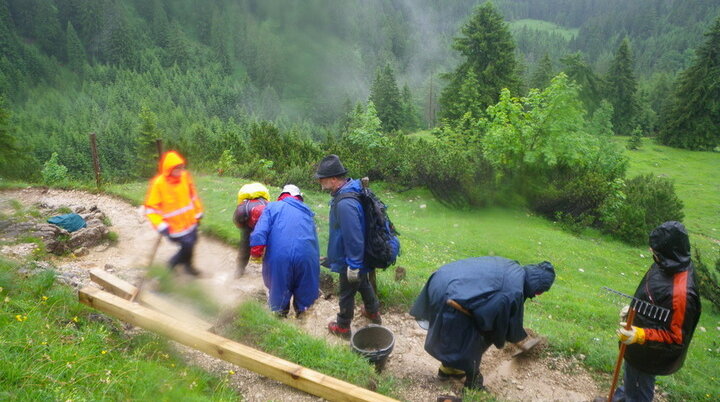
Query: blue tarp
point(69, 222)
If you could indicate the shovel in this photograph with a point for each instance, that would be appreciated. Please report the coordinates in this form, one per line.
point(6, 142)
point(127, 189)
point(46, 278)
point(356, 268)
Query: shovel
point(143, 280)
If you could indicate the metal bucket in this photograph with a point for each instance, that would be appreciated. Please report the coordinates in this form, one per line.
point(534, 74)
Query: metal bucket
point(375, 343)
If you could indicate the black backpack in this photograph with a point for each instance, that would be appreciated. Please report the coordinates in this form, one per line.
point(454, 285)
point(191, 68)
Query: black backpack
point(381, 243)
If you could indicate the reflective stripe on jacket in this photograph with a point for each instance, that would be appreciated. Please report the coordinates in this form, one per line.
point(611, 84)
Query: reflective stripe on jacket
point(172, 202)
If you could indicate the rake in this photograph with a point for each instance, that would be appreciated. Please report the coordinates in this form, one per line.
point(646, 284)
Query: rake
point(637, 306)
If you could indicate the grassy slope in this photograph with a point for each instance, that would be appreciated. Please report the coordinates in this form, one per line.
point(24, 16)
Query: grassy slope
point(540, 25)
point(576, 316)
point(53, 348)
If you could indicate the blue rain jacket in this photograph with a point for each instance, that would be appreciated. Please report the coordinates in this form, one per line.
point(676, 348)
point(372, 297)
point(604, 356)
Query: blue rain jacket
point(346, 243)
point(491, 288)
point(291, 265)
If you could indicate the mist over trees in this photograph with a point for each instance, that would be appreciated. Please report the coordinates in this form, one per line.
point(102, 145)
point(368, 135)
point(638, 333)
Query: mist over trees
point(262, 89)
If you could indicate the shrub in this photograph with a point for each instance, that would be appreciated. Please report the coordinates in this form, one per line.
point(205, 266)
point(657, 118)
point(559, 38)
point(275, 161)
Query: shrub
point(54, 173)
point(707, 280)
point(227, 165)
point(649, 201)
point(635, 140)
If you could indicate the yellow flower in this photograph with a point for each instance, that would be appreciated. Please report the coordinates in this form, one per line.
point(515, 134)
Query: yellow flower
point(231, 372)
point(75, 319)
point(103, 352)
point(44, 297)
point(21, 318)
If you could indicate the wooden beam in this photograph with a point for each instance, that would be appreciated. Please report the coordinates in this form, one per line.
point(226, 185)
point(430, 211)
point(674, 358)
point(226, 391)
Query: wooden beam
point(262, 363)
point(125, 290)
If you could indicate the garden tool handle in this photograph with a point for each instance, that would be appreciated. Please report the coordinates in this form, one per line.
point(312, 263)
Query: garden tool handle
point(452, 303)
point(621, 355)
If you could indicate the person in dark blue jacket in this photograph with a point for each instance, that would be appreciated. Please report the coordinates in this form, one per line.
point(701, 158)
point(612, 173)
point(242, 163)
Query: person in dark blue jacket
point(346, 245)
point(470, 304)
point(291, 266)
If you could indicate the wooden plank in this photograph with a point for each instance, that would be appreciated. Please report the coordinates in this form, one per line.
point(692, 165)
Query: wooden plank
point(262, 363)
point(125, 290)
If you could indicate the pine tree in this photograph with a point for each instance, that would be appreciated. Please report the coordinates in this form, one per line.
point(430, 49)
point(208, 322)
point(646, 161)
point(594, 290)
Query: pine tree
point(385, 95)
point(8, 146)
point(488, 50)
point(410, 115)
point(590, 85)
point(693, 119)
point(146, 148)
point(543, 73)
point(622, 91)
point(75, 51)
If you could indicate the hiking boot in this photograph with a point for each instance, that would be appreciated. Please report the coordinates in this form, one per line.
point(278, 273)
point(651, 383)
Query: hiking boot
point(374, 317)
point(443, 376)
point(281, 313)
point(337, 330)
point(190, 270)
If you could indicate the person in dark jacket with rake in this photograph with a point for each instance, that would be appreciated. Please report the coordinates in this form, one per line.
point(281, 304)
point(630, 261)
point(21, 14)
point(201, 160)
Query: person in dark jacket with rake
point(656, 347)
point(471, 304)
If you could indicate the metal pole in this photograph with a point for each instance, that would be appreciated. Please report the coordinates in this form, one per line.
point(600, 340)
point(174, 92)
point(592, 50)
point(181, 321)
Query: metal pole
point(96, 161)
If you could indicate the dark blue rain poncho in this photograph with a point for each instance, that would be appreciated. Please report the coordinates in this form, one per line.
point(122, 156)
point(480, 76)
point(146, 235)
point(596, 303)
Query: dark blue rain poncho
point(493, 289)
point(291, 266)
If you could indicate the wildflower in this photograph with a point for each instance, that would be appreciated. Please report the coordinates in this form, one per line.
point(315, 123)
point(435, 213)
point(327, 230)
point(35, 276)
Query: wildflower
point(231, 372)
point(7, 299)
point(103, 352)
point(20, 317)
point(44, 298)
point(75, 319)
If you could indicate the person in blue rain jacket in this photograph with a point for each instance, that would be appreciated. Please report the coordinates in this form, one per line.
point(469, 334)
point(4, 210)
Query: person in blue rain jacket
point(286, 235)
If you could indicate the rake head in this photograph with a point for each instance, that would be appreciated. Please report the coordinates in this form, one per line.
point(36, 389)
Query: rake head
point(648, 310)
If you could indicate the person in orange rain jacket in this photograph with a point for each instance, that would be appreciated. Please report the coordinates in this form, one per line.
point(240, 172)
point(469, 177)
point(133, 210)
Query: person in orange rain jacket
point(173, 207)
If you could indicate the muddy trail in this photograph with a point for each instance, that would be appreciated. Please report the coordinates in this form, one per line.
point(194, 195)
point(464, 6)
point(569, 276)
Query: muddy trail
point(538, 376)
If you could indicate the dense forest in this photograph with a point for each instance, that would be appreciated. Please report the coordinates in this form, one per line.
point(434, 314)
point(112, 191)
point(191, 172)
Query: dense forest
point(515, 96)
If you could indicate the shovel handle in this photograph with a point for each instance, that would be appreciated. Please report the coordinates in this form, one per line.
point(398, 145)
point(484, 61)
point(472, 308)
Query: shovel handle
point(621, 355)
point(452, 303)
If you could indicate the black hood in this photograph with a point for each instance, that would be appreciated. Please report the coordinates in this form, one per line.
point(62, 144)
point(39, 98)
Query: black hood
point(671, 246)
point(538, 278)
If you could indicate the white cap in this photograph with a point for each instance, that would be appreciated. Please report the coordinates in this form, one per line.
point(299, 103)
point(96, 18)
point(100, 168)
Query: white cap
point(292, 190)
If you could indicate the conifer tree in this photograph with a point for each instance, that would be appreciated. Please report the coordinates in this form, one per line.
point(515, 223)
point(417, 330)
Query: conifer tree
point(543, 73)
point(75, 52)
point(622, 91)
point(590, 85)
point(488, 52)
point(8, 146)
point(385, 96)
point(693, 119)
point(410, 116)
point(146, 148)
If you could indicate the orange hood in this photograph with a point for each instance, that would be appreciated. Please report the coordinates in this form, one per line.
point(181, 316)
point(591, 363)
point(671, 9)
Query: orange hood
point(170, 160)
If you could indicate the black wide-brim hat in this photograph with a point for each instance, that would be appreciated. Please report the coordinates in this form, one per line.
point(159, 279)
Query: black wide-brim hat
point(330, 166)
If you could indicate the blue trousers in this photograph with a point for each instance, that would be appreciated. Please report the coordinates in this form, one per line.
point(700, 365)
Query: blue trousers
point(637, 386)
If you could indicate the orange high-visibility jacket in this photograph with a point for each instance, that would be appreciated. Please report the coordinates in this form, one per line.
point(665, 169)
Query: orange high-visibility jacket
point(172, 202)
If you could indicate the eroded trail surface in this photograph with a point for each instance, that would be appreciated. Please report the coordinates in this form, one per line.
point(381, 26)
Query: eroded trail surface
point(535, 377)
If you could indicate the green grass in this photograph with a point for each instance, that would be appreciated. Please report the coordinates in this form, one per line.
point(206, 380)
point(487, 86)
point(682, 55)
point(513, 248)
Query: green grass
point(575, 316)
point(697, 181)
point(256, 326)
point(54, 348)
point(540, 25)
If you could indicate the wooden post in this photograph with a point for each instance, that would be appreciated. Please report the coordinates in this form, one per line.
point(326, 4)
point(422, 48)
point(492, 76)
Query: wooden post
point(262, 363)
point(96, 161)
point(159, 146)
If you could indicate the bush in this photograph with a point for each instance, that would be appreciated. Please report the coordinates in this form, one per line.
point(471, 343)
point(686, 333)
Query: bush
point(649, 201)
point(707, 280)
point(54, 173)
point(227, 165)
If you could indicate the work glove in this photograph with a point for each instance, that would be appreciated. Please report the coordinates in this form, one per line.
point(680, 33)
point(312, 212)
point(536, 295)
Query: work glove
point(256, 253)
point(624, 313)
point(353, 275)
point(632, 335)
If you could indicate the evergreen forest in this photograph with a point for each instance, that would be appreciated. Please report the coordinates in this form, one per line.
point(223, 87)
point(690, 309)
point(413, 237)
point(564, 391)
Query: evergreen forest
point(509, 102)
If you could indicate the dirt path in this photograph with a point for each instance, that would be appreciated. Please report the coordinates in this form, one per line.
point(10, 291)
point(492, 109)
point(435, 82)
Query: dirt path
point(537, 377)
